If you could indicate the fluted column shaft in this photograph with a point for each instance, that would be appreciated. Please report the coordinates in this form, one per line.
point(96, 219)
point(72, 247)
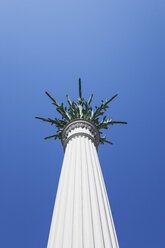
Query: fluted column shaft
point(82, 217)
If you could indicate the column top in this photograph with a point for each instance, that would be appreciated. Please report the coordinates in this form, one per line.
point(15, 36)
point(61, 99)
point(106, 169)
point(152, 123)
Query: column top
point(80, 123)
point(81, 113)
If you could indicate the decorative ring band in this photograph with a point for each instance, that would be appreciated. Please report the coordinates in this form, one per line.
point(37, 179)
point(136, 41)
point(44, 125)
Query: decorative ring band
point(82, 135)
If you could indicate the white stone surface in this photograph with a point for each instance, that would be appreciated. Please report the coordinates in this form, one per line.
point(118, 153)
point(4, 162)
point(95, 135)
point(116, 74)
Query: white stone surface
point(82, 217)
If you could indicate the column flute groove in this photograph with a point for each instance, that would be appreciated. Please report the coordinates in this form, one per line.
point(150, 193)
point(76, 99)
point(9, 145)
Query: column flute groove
point(89, 190)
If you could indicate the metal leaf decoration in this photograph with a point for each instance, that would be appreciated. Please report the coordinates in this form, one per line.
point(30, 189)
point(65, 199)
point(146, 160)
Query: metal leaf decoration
point(81, 110)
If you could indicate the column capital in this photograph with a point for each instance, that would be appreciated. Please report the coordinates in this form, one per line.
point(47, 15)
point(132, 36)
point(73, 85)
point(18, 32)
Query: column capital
point(80, 127)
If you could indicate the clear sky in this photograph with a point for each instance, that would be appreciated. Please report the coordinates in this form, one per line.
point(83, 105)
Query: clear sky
point(115, 47)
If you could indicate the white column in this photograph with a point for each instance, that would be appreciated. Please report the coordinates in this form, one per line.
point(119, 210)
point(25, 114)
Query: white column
point(82, 216)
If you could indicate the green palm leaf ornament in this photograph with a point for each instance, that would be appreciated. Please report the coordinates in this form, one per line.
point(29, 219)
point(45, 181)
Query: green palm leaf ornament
point(81, 109)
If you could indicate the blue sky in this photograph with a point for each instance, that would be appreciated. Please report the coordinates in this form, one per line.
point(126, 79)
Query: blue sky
point(115, 47)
